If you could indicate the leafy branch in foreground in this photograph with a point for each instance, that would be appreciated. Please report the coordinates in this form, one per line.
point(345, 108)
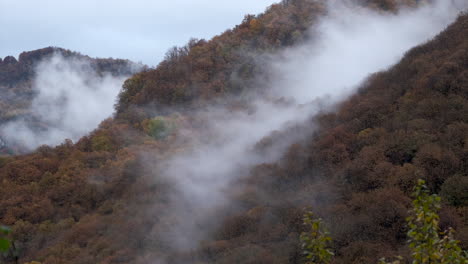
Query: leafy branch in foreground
point(428, 244)
point(8, 251)
point(315, 241)
point(5, 243)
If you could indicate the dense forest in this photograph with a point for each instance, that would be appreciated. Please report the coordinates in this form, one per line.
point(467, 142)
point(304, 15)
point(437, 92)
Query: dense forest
point(104, 198)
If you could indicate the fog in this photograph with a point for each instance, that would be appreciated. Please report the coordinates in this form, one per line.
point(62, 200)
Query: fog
point(71, 99)
point(346, 46)
point(351, 43)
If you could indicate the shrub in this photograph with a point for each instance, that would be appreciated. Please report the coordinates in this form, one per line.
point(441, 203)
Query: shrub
point(428, 244)
point(160, 127)
point(455, 190)
point(101, 143)
point(4, 241)
point(315, 241)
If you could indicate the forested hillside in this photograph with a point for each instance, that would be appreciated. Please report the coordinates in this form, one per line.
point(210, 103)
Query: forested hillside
point(108, 198)
point(19, 81)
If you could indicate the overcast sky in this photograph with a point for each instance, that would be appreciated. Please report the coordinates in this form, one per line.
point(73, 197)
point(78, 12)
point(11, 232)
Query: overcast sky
point(140, 30)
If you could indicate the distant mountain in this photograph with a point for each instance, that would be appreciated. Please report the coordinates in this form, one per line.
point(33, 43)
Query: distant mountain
point(17, 78)
point(13, 71)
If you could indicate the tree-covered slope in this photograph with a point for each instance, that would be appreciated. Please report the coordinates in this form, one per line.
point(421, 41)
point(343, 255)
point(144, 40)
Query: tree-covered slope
point(22, 81)
point(104, 199)
point(227, 64)
point(358, 170)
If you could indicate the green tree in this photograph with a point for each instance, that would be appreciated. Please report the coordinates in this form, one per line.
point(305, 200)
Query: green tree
point(160, 127)
point(315, 241)
point(428, 244)
point(4, 241)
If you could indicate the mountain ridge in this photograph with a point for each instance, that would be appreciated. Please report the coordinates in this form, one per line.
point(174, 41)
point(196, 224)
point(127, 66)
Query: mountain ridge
point(20, 87)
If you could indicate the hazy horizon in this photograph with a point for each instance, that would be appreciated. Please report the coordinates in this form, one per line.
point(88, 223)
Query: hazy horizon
point(141, 31)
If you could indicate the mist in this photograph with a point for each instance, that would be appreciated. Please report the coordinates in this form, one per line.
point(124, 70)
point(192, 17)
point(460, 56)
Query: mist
point(345, 47)
point(71, 99)
point(350, 43)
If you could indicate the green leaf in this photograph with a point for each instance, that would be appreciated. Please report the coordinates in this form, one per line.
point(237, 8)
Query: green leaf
point(4, 245)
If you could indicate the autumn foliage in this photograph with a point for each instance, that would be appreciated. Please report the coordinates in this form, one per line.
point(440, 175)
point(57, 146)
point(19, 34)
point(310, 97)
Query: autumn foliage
point(93, 201)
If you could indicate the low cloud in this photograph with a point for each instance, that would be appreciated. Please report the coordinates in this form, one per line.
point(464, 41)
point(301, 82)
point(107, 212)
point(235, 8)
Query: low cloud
point(71, 100)
point(350, 43)
point(346, 46)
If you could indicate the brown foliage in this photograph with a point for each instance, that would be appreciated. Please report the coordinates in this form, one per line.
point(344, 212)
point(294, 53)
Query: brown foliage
point(93, 202)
